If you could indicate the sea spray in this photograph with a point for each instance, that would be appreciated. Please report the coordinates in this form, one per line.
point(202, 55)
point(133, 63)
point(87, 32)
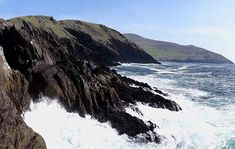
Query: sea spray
point(202, 123)
point(63, 130)
point(207, 119)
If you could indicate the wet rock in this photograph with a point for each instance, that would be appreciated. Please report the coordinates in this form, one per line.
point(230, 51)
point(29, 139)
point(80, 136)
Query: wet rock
point(112, 46)
point(160, 92)
point(63, 61)
point(14, 133)
point(14, 100)
point(133, 127)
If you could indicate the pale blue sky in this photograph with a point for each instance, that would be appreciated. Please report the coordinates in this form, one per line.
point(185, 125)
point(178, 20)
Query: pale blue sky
point(206, 23)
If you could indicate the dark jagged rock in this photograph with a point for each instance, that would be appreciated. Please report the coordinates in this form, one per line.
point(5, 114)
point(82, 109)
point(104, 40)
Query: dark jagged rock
point(134, 82)
point(60, 61)
point(14, 133)
point(132, 126)
point(14, 100)
point(106, 44)
point(92, 42)
point(132, 94)
point(160, 92)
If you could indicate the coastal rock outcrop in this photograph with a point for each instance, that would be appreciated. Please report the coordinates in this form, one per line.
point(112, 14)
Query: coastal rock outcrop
point(14, 100)
point(107, 45)
point(64, 60)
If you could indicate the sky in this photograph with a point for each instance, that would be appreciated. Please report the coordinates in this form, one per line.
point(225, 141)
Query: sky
point(205, 23)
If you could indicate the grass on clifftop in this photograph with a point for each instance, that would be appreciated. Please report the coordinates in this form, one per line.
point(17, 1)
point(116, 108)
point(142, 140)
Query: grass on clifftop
point(100, 32)
point(48, 23)
point(164, 54)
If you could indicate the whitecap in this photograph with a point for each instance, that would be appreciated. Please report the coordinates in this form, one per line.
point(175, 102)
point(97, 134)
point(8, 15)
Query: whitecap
point(63, 130)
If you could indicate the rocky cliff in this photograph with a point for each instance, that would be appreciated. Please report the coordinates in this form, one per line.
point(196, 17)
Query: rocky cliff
point(14, 100)
point(106, 45)
point(64, 60)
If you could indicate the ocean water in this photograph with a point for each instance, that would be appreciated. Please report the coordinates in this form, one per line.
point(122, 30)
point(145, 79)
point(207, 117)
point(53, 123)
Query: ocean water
point(206, 93)
point(63, 130)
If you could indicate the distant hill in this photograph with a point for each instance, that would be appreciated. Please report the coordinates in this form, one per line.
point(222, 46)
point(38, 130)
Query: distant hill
point(94, 42)
point(168, 51)
point(66, 61)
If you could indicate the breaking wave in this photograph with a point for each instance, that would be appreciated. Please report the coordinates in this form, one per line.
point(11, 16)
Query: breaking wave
point(205, 93)
point(63, 130)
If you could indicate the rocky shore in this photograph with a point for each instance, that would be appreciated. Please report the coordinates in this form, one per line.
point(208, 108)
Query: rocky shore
point(67, 61)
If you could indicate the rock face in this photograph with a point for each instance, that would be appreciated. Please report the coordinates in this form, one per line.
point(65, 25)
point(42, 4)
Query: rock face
point(106, 44)
point(14, 100)
point(62, 60)
point(95, 43)
point(168, 51)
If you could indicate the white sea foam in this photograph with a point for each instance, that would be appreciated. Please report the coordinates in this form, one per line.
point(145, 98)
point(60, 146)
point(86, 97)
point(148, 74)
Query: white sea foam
point(153, 80)
point(168, 85)
point(196, 126)
point(63, 130)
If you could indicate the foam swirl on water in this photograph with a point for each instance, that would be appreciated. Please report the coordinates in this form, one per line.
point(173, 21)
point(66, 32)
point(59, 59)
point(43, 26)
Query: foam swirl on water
point(203, 122)
point(206, 121)
point(63, 130)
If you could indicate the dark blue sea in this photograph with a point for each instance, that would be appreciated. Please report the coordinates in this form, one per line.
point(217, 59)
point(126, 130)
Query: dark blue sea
point(206, 93)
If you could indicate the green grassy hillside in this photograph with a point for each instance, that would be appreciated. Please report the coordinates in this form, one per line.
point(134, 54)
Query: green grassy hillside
point(167, 51)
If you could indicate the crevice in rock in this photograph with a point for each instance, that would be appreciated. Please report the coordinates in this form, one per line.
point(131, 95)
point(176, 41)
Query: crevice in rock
point(55, 66)
point(17, 51)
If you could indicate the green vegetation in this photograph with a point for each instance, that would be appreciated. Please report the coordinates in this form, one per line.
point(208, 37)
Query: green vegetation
point(47, 23)
point(167, 51)
point(98, 32)
point(165, 54)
